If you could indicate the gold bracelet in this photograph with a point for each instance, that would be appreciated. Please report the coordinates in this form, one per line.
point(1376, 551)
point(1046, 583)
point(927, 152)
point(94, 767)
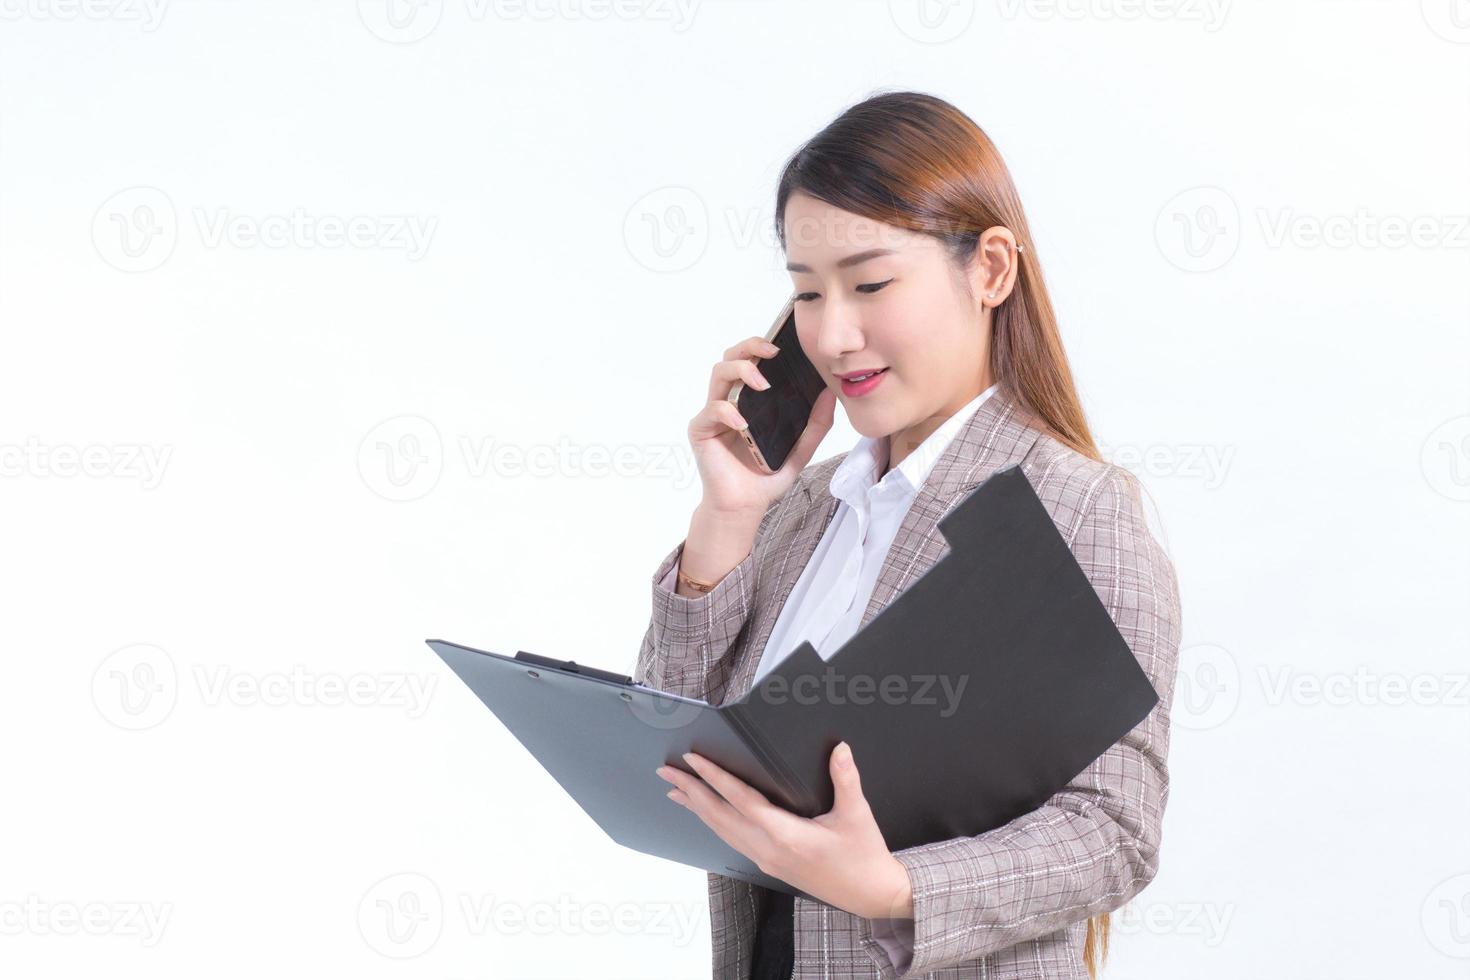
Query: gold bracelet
point(695, 585)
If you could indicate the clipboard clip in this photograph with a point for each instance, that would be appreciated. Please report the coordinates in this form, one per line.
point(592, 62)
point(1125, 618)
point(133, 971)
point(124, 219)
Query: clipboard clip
point(572, 667)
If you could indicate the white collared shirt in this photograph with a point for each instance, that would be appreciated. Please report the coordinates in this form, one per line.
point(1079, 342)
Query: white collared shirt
point(829, 599)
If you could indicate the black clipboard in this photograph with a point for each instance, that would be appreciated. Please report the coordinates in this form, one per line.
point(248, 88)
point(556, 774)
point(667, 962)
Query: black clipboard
point(969, 700)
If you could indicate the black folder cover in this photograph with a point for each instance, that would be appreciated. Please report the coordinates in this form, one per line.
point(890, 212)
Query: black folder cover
point(968, 700)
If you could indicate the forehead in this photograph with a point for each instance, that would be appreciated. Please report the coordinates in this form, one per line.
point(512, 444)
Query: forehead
point(819, 234)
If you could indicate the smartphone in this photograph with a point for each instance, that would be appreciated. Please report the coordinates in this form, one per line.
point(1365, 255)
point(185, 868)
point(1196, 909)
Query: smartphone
point(779, 414)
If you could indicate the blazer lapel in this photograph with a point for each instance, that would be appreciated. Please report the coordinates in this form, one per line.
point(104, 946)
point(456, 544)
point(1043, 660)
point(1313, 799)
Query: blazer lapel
point(1000, 433)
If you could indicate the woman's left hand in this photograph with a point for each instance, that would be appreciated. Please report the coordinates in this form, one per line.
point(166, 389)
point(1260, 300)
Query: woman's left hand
point(838, 857)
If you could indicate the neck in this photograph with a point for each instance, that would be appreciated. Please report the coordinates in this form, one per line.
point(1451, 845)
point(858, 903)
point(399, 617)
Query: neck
point(906, 440)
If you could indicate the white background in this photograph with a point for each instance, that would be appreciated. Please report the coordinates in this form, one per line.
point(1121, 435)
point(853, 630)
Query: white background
point(303, 457)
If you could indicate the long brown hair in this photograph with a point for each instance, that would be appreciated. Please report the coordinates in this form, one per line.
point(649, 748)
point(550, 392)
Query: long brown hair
point(914, 161)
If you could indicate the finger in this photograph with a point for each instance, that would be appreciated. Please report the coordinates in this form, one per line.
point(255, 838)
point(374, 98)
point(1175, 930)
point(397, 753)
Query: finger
point(750, 347)
point(716, 419)
point(701, 809)
point(753, 834)
point(746, 799)
point(733, 828)
point(724, 375)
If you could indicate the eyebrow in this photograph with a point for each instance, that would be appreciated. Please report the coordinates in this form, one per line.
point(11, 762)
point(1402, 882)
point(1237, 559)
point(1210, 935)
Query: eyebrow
point(871, 253)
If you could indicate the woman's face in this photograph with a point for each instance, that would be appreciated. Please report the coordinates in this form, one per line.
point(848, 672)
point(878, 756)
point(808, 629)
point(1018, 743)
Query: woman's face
point(898, 303)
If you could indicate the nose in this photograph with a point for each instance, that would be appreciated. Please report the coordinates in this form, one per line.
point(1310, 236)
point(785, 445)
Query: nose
point(836, 335)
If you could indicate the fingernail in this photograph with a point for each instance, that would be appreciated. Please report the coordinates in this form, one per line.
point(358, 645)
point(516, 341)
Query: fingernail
point(772, 348)
point(743, 424)
point(762, 383)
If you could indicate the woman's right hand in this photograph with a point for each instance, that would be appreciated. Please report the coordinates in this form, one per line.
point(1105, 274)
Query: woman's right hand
point(734, 487)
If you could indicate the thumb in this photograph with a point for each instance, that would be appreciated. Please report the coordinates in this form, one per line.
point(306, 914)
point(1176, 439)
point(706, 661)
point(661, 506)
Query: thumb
point(846, 785)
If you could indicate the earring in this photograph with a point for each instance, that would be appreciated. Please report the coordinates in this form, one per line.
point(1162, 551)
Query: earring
point(992, 293)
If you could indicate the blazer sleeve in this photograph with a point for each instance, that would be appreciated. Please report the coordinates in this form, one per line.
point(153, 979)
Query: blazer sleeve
point(1095, 844)
point(688, 638)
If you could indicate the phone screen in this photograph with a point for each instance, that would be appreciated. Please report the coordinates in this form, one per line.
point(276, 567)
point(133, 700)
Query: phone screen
point(779, 415)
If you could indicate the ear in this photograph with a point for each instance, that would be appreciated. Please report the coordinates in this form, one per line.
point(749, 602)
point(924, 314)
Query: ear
point(994, 266)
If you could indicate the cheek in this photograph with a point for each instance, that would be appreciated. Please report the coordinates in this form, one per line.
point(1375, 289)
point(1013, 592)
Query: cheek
point(899, 336)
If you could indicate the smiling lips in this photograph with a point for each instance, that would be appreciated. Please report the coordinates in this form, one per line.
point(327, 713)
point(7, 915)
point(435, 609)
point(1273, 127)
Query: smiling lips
point(856, 383)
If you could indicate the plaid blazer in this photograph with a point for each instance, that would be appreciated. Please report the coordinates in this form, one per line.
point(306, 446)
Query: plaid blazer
point(1011, 903)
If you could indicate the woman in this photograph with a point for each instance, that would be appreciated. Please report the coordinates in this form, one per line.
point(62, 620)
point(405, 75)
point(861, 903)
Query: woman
point(911, 258)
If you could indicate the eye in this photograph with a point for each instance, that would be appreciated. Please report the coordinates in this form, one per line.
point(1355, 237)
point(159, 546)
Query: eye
point(866, 287)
